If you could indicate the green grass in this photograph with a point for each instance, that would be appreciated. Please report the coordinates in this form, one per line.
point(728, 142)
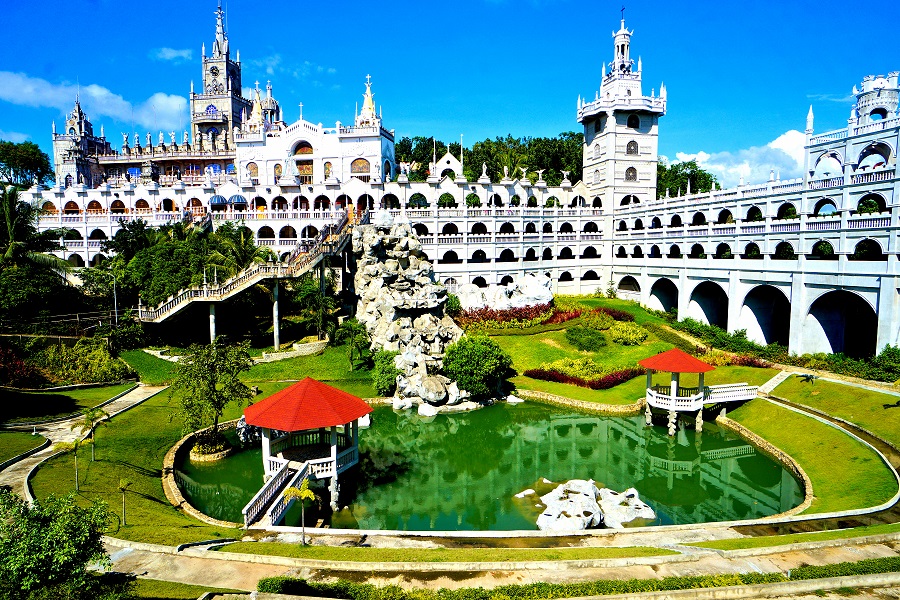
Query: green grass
point(873, 411)
point(18, 407)
point(845, 473)
point(151, 370)
point(438, 555)
point(14, 443)
point(331, 367)
point(151, 589)
point(797, 538)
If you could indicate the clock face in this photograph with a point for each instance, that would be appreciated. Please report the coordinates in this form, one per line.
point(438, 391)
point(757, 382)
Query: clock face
point(214, 71)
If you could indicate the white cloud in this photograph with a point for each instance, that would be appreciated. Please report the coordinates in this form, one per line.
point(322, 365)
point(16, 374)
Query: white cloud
point(172, 54)
point(784, 155)
point(159, 111)
point(847, 99)
point(13, 136)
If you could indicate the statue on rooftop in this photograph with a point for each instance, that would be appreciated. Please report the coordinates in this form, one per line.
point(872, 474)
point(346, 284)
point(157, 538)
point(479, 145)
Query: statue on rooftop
point(484, 169)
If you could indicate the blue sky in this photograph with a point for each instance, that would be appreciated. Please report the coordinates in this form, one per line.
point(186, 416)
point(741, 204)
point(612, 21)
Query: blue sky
point(739, 75)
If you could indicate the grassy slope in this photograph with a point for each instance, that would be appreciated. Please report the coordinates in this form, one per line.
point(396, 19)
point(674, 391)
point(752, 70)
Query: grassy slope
point(796, 538)
point(14, 443)
point(150, 589)
point(35, 406)
point(878, 413)
point(438, 554)
point(858, 479)
point(151, 370)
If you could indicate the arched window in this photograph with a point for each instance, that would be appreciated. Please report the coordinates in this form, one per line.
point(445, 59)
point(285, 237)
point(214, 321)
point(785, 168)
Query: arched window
point(725, 217)
point(597, 151)
point(530, 228)
point(328, 170)
point(823, 250)
point(304, 148)
point(479, 256)
point(623, 226)
point(547, 228)
point(265, 233)
point(751, 251)
point(507, 228)
point(450, 257)
point(655, 252)
point(566, 254)
point(828, 165)
point(596, 177)
point(754, 214)
point(634, 122)
point(698, 219)
point(867, 250)
point(278, 170)
point(589, 252)
point(566, 227)
point(784, 251)
point(253, 169)
point(637, 252)
point(787, 211)
point(547, 254)
point(597, 202)
point(449, 229)
point(360, 166)
point(676, 221)
point(631, 147)
point(630, 174)
point(655, 223)
point(531, 255)
point(870, 203)
point(674, 251)
point(507, 256)
point(211, 109)
point(638, 225)
point(565, 276)
point(723, 251)
point(825, 207)
point(479, 229)
point(621, 252)
point(630, 199)
point(591, 227)
point(697, 252)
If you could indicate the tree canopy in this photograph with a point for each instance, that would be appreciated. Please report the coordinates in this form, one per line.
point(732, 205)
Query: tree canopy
point(478, 364)
point(24, 163)
point(675, 178)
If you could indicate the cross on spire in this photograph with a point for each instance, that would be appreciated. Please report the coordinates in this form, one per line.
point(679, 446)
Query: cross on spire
point(623, 12)
point(301, 111)
point(368, 79)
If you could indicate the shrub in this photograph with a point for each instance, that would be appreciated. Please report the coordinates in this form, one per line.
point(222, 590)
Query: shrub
point(88, 361)
point(586, 368)
point(478, 364)
point(627, 334)
point(605, 382)
point(673, 338)
point(16, 372)
point(869, 566)
point(562, 316)
point(615, 313)
point(597, 320)
point(128, 335)
point(585, 339)
point(384, 373)
point(536, 314)
point(453, 306)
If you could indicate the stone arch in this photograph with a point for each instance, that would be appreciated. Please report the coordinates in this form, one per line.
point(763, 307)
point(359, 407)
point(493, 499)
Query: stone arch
point(417, 200)
point(623, 226)
point(597, 202)
point(589, 252)
point(822, 250)
point(874, 156)
point(655, 252)
point(698, 219)
point(287, 233)
point(75, 260)
point(566, 227)
point(590, 276)
point(766, 315)
point(590, 227)
point(547, 228)
point(265, 233)
point(841, 321)
point(697, 251)
point(94, 206)
point(302, 147)
point(506, 280)
point(449, 229)
point(723, 251)
point(279, 203)
point(140, 204)
point(754, 214)
point(621, 252)
point(709, 304)
point(676, 221)
point(578, 201)
point(674, 251)
point(787, 210)
point(638, 225)
point(259, 203)
point(637, 252)
point(656, 223)
point(871, 203)
point(629, 199)
point(420, 229)
point(566, 276)
point(97, 234)
point(324, 202)
point(447, 200)
point(629, 288)
point(118, 207)
point(530, 255)
point(829, 164)
point(309, 232)
point(50, 208)
point(547, 254)
point(867, 250)
point(784, 251)
point(450, 256)
point(825, 207)
point(507, 228)
point(631, 174)
point(480, 282)
point(633, 122)
point(300, 203)
point(725, 217)
point(752, 252)
point(97, 259)
point(496, 200)
point(566, 254)
point(479, 256)
point(507, 256)
point(479, 229)
point(663, 295)
point(531, 227)
point(365, 202)
point(390, 201)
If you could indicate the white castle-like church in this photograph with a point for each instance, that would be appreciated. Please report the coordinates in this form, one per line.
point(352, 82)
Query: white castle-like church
point(810, 263)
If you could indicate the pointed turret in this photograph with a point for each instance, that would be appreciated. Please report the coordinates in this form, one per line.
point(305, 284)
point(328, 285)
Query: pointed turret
point(368, 116)
point(809, 120)
point(220, 46)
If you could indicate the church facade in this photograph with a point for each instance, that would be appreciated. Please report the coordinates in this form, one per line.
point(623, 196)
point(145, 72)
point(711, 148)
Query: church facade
point(810, 263)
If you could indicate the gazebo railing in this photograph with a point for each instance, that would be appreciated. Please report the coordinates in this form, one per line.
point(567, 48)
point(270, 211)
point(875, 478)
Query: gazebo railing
point(279, 507)
point(347, 459)
point(682, 392)
point(661, 396)
point(264, 496)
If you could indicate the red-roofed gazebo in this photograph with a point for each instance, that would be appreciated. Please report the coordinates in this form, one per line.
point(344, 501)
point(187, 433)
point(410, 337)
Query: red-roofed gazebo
point(300, 436)
point(674, 398)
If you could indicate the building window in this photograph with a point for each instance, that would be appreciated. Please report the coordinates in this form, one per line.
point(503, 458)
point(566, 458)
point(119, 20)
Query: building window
point(278, 170)
point(211, 109)
point(328, 170)
point(631, 147)
point(630, 174)
point(634, 122)
point(596, 177)
point(597, 151)
point(359, 168)
point(303, 148)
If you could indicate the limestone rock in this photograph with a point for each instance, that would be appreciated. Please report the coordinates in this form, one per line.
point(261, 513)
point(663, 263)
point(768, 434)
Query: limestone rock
point(525, 290)
point(578, 504)
point(427, 410)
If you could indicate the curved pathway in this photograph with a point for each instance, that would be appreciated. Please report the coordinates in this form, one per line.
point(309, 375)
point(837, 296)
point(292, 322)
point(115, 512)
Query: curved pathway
point(16, 476)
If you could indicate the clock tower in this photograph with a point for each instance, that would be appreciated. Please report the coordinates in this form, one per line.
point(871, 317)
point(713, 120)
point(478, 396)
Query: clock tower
point(216, 110)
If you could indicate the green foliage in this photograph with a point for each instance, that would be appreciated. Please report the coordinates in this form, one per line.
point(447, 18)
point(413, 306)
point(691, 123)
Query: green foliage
point(46, 547)
point(355, 336)
point(678, 176)
point(348, 590)
point(665, 335)
point(21, 243)
point(478, 364)
point(473, 201)
point(585, 338)
point(88, 361)
point(585, 367)
point(627, 334)
point(317, 307)
point(599, 321)
point(127, 335)
point(23, 164)
point(453, 306)
point(446, 200)
point(384, 373)
point(611, 290)
point(868, 206)
point(868, 566)
point(303, 495)
point(207, 380)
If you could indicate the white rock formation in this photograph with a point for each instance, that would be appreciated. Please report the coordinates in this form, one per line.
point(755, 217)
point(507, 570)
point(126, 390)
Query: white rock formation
point(578, 504)
point(403, 310)
point(525, 290)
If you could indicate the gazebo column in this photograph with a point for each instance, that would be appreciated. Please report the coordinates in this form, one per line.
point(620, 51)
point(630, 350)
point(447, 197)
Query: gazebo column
point(334, 479)
point(648, 415)
point(275, 331)
point(674, 385)
point(698, 423)
point(355, 430)
point(266, 452)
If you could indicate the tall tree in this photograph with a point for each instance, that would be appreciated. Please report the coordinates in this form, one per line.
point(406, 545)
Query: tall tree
point(207, 379)
point(677, 176)
point(355, 335)
point(234, 249)
point(91, 418)
point(23, 164)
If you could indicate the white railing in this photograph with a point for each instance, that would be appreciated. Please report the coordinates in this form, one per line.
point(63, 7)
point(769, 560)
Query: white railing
point(868, 222)
point(785, 227)
point(279, 506)
point(820, 184)
point(831, 136)
point(883, 175)
point(732, 392)
point(722, 453)
point(735, 392)
point(823, 225)
point(264, 496)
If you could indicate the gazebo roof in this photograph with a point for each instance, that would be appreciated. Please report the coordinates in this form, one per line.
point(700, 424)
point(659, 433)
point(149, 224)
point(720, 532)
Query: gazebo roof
point(675, 361)
point(308, 404)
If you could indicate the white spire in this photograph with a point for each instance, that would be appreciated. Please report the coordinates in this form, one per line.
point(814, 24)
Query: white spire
point(809, 120)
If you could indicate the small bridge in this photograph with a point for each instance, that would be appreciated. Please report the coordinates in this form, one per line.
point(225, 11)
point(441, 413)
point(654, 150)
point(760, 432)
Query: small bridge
point(693, 399)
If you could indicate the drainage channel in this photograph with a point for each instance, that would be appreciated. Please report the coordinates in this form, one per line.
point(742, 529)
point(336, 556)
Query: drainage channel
point(889, 515)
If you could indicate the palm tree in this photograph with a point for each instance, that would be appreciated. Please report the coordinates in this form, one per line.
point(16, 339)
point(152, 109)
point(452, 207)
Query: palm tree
point(356, 336)
point(91, 418)
point(236, 250)
point(303, 495)
point(317, 308)
point(71, 447)
point(21, 244)
point(123, 486)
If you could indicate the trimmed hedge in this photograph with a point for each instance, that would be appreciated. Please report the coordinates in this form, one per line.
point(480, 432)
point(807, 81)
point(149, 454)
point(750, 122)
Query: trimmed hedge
point(347, 590)
point(468, 318)
point(602, 383)
point(627, 334)
point(615, 313)
point(670, 337)
point(585, 339)
point(384, 373)
point(868, 566)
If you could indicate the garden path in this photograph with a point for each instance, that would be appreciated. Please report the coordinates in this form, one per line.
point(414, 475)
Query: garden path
point(16, 476)
point(773, 383)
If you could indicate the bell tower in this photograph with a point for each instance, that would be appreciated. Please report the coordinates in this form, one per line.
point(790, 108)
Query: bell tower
point(216, 110)
point(621, 131)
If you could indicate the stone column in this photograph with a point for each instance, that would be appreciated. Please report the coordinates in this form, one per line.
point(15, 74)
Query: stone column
point(334, 480)
point(212, 322)
point(275, 330)
point(266, 451)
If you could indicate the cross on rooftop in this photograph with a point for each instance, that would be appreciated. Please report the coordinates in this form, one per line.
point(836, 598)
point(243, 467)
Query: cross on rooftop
point(368, 79)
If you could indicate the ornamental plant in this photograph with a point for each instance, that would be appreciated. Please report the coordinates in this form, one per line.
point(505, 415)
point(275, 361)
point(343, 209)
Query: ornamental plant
point(585, 339)
point(627, 334)
point(384, 373)
point(478, 364)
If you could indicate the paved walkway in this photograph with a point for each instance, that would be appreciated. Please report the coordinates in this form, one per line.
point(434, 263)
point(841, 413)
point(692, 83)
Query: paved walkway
point(15, 475)
point(773, 383)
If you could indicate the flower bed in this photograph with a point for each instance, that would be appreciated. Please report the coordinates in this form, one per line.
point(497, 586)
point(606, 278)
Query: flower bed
point(601, 383)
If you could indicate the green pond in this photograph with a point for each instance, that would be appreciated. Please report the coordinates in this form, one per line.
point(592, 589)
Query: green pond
point(462, 472)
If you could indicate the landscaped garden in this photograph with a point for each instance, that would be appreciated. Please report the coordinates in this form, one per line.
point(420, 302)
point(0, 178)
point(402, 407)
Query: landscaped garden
point(28, 406)
point(14, 443)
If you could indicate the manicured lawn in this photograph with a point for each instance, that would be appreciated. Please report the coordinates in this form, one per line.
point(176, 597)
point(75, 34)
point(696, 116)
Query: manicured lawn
point(797, 538)
point(875, 412)
point(331, 367)
point(151, 370)
point(18, 407)
point(845, 473)
point(150, 589)
point(14, 443)
point(338, 553)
